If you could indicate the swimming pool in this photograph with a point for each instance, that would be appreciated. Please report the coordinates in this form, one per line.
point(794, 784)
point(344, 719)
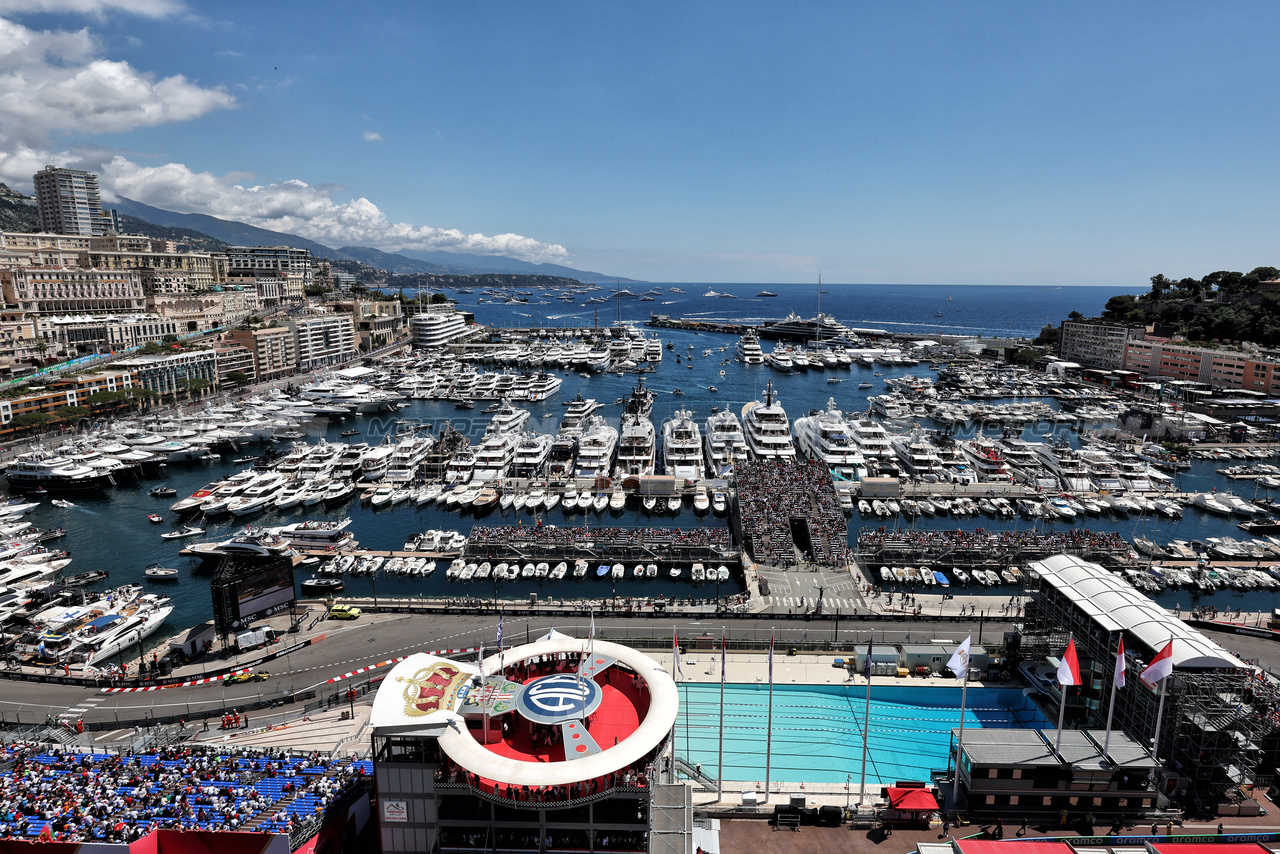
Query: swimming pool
point(817, 729)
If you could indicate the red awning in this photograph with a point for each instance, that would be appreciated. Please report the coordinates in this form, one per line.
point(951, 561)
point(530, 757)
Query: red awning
point(911, 799)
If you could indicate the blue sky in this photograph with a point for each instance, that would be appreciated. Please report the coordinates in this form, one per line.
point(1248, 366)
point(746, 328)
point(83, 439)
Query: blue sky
point(998, 143)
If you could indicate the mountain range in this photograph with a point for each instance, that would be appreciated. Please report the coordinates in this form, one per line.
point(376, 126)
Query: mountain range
point(404, 262)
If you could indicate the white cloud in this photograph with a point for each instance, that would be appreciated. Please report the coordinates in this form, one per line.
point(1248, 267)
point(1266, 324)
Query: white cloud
point(54, 81)
point(97, 8)
point(372, 136)
point(299, 208)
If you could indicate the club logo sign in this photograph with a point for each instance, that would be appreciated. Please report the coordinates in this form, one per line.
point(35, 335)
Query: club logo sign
point(558, 698)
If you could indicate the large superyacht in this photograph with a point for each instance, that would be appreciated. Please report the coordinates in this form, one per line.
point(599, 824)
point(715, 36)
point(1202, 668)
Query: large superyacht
point(596, 448)
point(637, 446)
point(826, 436)
point(682, 446)
point(725, 443)
point(766, 428)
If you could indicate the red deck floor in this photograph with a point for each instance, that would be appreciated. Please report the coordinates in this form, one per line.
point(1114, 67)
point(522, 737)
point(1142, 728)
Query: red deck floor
point(617, 717)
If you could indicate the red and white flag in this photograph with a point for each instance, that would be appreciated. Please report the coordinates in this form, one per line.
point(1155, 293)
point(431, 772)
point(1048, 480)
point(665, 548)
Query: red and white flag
point(1119, 678)
point(1160, 666)
point(675, 652)
point(1069, 669)
point(724, 658)
point(770, 659)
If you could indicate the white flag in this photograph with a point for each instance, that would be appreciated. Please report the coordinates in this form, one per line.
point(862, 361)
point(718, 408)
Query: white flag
point(959, 662)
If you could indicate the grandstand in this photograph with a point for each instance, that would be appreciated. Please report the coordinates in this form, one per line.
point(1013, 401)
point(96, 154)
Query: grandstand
point(110, 797)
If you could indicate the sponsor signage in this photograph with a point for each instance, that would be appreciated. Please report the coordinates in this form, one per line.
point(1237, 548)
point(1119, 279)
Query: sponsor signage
point(395, 811)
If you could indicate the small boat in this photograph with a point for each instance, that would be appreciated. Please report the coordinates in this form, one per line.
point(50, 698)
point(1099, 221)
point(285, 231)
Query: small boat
point(155, 518)
point(60, 502)
point(84, 578)
point(352, 432)
point(184, 531)
point(463, 404)
point(602, 570)
point(322, 585)
point(649, 502)
point(673, 504)
point(162, 492)
point(160, 573)
point(238, 461)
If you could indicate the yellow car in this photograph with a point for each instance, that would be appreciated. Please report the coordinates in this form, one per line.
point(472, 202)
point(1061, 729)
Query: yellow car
point(344, 612)
point(247, 676)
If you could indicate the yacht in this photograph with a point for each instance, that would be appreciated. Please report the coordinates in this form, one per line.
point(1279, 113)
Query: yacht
point(564, 451)
point(871, 438)
point(640, 403)
point(826, 436)
point(987, 460)
point(596, 449)
point(406, 457)
point(766, 428)
point(1065, 463)
point(494, 456)
point(375, 462)
point(780, 360)
point(919, 457)
point(43, 470)
point(793, 327)
point(748, 348)
point(682, 446)
point(577, 412)
point(506, 419)
point(725, 443)
point(637, 446)
point(532, 454)
point(108, 634)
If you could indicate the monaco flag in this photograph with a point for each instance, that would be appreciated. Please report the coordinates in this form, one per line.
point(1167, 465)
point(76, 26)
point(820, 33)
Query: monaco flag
point(1069, 669)
point(1160, 666)
point(1119, 679)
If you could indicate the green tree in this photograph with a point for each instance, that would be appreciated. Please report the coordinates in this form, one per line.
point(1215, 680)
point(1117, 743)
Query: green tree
point(71, 413)
point(1159, 284)
point(1075, 315)
point(30, 420)
point(238, 377)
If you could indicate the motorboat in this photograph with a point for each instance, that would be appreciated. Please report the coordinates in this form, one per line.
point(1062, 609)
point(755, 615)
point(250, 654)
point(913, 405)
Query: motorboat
point(184, 531)
point(155, 572)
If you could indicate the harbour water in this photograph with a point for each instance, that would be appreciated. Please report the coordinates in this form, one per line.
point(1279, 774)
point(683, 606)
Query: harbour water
point(111, 531)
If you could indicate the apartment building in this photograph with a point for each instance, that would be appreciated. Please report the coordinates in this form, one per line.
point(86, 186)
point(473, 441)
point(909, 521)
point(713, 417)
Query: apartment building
point(19, 249)
point(378, 322)
point(170, 374)
point(79, 335)
point(269, 285)
point(280, 259)
point(234, 357)
point(1228, 369)
point(1095, 343)
point(69, 202)
point(72, 290)
point(323, 339)
point(274, 349)
point(64, 391)
point(19, 344)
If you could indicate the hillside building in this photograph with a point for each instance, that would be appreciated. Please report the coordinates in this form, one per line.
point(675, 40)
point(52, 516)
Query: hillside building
point(69, 202)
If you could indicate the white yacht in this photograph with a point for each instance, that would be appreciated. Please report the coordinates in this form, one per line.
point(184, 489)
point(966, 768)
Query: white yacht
point(725, 443)
point(494, 456)
point(406, 457)
point(871, 438)
point(826, 436)
point(766, 428)
point(682, 446)
point(506, 418)
point(577, 412)
point(1065, 463)
point(780, 359)
point(637, 446)
point(919, 457)
point(532, 454)
point(375, 461)
point(748, 348)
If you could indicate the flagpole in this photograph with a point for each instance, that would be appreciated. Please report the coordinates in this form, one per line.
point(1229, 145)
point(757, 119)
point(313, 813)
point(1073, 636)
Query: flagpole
point(964, 691)
point(867, 722)
point(1062, 707)
point(1106, 739)
point(1155, 742)
point(484, 713)
point(768, 750)
point(720, 761)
